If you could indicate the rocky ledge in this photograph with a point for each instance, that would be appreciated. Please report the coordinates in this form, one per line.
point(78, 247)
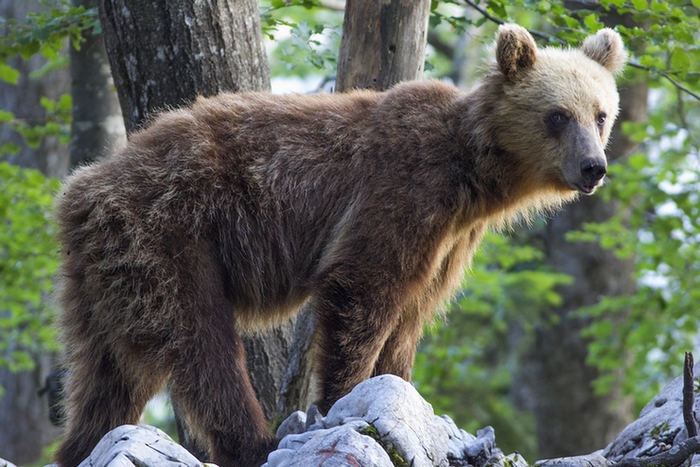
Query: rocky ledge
point(384, 422)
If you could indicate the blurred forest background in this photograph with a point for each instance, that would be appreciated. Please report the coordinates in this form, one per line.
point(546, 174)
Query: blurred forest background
point(563, 329)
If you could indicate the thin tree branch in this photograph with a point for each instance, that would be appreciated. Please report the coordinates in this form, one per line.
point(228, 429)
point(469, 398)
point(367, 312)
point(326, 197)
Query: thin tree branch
point(336, 5)
point(667, 76)
point(490, 17)
point(441, 46)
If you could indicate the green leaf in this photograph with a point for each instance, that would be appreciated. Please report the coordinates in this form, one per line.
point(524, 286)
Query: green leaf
point(41, 34)
point(592, 23)
point(29, 49)
point(8, 74)
point(6, 116)
point(640, 5)
point(680, 61)
point(615, 3)
point(498, 7)
point(544, 6)
point(9, 148)
point(56, 63)
point(638, 161)
point(660, 7)
point(65, 103)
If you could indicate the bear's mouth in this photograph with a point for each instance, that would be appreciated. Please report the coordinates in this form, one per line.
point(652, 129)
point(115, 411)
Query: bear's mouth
point(586, 189)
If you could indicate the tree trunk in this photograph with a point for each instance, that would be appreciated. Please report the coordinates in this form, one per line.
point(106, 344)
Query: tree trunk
point(298, 389)
point(25, 428)
point(97, 125)
point(571, 418)
point(383, 43)
point(165, 53)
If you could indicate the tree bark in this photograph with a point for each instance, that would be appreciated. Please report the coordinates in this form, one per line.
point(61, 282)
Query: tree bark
point(571, 418)
point(97, 125)
point(165, 53)
point(268, 356)
point(383, 43)
point(298, 389)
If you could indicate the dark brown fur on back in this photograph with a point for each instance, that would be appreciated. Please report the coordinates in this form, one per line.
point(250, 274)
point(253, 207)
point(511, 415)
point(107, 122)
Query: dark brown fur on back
point(225, 217)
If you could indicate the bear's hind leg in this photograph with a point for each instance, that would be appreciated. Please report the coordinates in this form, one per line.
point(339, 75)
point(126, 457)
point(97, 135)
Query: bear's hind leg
point(102, 395)
point(211, 387)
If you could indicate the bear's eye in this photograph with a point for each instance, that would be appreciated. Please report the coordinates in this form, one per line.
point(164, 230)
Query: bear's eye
point(556, 122)
point(557, 118)
point(601, 118)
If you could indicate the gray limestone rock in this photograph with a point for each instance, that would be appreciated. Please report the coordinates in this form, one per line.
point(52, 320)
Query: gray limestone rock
point(338, 447)
point(401, 419)
point(384, 413)
point(139, 446)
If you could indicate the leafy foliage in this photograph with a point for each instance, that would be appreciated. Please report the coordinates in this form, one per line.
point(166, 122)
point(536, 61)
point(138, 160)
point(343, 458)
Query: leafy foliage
point(664, 37)
point(56, 123)
point(44, 33)
point(466, 368)
point(28, 262)
point(28, 258)
point(304, 39)
point(659, 225)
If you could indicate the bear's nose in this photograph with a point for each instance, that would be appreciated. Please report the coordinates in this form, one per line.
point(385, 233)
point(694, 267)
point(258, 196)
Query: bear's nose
point(593, 169)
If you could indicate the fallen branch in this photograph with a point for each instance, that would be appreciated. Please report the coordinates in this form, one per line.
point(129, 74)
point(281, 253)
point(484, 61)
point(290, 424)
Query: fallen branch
point(671, 458)
point(689, 396)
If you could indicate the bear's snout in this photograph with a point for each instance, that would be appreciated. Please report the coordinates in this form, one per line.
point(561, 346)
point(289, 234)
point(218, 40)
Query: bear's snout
point(592, 171)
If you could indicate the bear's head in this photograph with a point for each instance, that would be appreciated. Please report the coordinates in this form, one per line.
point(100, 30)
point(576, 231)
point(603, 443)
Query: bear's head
point(557, 105)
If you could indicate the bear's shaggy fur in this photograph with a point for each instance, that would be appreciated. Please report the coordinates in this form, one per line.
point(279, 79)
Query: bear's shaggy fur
point(227, 216)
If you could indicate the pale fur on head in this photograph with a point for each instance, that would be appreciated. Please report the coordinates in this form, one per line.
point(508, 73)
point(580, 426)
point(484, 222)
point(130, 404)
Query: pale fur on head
point(537, 79)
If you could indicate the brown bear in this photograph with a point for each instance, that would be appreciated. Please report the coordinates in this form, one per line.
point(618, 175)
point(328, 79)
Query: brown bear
point(227, 216)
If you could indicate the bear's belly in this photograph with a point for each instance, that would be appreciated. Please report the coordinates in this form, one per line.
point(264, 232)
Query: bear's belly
point(251, 319)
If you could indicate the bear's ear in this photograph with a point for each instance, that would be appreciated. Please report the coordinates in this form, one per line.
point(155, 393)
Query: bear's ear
point(515, 50)
point(606, 48)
